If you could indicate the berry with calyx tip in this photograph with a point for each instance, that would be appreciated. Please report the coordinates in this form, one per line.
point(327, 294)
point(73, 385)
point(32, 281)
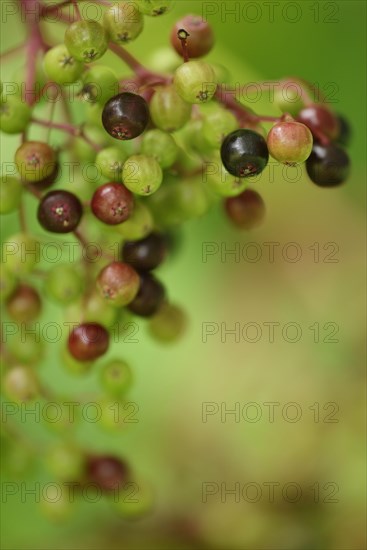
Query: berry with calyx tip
point(145, 254)
point(116, 377)
point(328, 166)
point(60, 66)
point(244, 153)
point(142, 175)
point(200, 38)
point(86, 40)
point(118, 283)
point(59, 212)
point(123, 22)
point(149, 298)
point(35, 161)
point(247, 210)
point(320, 119)
point(24, 304)
point(110, 161)
point(88, 341)
point(99, 84)
point(290, 142)
point(154, 7)
point(168, 110)
point(112, 203)
point(125, 116)
point(195, 82)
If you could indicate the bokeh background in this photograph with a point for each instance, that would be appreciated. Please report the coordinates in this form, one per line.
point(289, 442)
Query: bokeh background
point(171, 446)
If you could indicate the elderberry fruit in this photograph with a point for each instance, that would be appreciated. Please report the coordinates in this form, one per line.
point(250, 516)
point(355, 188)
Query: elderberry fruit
point(247, 210)
point(88, 341)
point(125, 116)
point(108, 472)
point(112, 203)
point(118, 283)
point(35, 161)
point(145, 254)
point(200, 39)
point(195, 82)
point(149, 298)
point(154, 7)
point(60, 66)
point(244, 153)
point(328, 166)
point(59, 212)
point(320, 119)
point(86, 40)
point(290, 142)
point(123, 22)
point(24, 304)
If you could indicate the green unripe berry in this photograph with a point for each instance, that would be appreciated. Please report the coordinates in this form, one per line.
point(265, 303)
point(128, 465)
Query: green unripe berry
point(110, 161)
point(60, 66)
point(123, 22)
point(15, 115)
point(21, 252)
point(217, 125)
point(154, 7)
point(142, 175)
point(100, 83)
point(27, 348)
point(20, 384)
point(10, 194)
point(139, 225)
point(116, 377)
point(87, 41)
point(168, 324)
point(161, 146)
point(63, 283)
point(137, 507)
point(195, 82)
point(290, 142)
point(168, 110)
point(288, 97)
point(222, 183)
point(8, 283)
point(65, 462)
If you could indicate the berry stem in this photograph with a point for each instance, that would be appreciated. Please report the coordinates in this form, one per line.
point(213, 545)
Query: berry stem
point(144, 74)
point(77, 11)
point(183, 36)
point(75, 131)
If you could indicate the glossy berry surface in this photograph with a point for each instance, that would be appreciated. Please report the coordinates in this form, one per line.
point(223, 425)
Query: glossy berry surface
point(320, 119)
point(86, 40)
point(328, 166)
point(59, 212)
point(345, 131)
point(149, 298)
point(244, 153)
point(108, 472)
point(24, 304)
point(118, 283)
point(195, 81)
point(125, 116)
point(35, 161)
point(88, 341)
point(145, 254)
point(60, 66)
point(168, 110)
point(112, 203)
point(290, 142)
point(247, 210)
point(142, 175)
point(200, 38)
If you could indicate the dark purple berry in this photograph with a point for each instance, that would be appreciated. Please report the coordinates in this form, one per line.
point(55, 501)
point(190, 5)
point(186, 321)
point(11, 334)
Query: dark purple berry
point(328, 166)
point(244, 153)
point(146, 254)
point(88, 341)
point(320, 119)
point(59, 212)
point(150, 296)
point(125, 116)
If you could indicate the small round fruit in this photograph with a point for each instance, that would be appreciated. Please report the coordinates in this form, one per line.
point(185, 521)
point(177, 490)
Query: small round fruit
point(116, 377)
point(161, 146)
point(217, 125)
point(15, 115)
point(88, 341)
point(108, 472)
point(21, 253)
point(149, 298)
point(247, 210)
point(20, 383)
point(200, 38)
point(24, 304)
point(63, 283)
point(319, 118)
point(168, 111)
point(154, 7)
point(35, 161)
point(112, 203)
point(48, 181)
point(290, 142)
point(110, 161)
point(142, 175)
point(27, 347)
point(288, 96)
point(145, 254)
point(8, 283)
point(60, 212)
point(168, 324)
point(139, 225)
point(194, 82)
point(328, 166)
point(221, 182)
point(10, 194)
point(345, 131)
point(123, 22)
point(118, 283)
point(60, 66)
point(125, 116)
point(74, 366)
point(65, 462)
point(86, 40)
point(100, 83)
point(244, 153)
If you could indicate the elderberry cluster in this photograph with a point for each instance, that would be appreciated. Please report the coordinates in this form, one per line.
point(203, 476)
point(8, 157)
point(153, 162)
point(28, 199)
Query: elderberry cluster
point(151, 146)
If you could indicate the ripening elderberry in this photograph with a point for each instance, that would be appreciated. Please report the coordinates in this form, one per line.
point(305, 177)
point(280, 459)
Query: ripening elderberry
point(328, 166)
point(244, 153)
point(59, 212)
point(125, 116)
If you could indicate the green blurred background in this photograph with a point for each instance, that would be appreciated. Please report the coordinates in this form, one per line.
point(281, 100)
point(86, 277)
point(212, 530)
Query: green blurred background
point(170, 445)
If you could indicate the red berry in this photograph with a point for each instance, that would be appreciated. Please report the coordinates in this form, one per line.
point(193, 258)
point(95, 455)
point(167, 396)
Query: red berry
point(88, 341)
point(200, 38)
point(290, 142)
point(320, 119)
point(24, 304)
point(112, 203)
point(149, 298)
point(147, 253)
point(246, 210)
point(107, 472)
point(118, 283)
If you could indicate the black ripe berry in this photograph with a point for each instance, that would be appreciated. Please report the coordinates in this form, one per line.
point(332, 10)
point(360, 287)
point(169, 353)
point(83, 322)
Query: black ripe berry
point(150, 296)
point(328, 166)
point(146, 254)
point(59, 212)
point(244, 153)
point(125, 116)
